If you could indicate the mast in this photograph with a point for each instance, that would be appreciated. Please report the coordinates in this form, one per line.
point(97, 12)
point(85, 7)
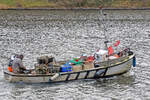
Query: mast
point(104, 30)
point(104, 27)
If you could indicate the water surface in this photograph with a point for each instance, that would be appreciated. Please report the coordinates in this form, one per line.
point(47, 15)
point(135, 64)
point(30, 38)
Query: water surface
point(69, 33)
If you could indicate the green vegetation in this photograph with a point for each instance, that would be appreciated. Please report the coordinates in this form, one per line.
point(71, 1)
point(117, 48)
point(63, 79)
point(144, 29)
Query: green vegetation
point(8, 2)
point(4, 4)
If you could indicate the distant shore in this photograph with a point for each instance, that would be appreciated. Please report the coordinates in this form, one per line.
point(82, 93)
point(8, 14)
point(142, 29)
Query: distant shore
point(74, 4)
point(76, 9)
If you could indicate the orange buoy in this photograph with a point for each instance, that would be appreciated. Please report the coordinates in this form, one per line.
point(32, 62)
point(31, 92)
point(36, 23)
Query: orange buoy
point(10, 69)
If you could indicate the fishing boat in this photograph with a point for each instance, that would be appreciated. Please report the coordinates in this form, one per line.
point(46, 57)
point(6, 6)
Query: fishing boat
point(88, 70)
point(104, 63)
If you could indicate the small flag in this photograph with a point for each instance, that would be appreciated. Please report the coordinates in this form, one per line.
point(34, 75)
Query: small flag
point(110, 50)
point(117, 43)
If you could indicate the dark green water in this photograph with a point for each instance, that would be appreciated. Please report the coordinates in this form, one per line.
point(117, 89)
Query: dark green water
point(66, 34)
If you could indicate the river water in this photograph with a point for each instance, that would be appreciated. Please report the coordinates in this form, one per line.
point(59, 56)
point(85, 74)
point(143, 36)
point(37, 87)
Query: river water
point(69, 33)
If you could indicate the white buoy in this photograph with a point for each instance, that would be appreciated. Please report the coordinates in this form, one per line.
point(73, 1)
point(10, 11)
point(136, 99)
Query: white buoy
point(55, 76)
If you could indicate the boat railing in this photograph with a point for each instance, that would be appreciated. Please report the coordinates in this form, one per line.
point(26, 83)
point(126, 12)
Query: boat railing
point(112, 61)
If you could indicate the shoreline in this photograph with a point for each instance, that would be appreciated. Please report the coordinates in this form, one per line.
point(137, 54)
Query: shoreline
point(76, 9)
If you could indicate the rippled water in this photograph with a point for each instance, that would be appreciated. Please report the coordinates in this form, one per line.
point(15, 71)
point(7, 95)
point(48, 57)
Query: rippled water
point(68, 33)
